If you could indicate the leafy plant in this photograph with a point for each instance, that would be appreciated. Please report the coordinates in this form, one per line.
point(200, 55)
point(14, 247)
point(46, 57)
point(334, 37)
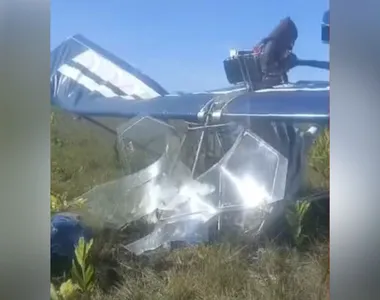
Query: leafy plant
point(295, 216)
point(57, 204)
point(319, 160)
point(82, 275)
point(67, 291)
point(53, 292)
point(82, 271)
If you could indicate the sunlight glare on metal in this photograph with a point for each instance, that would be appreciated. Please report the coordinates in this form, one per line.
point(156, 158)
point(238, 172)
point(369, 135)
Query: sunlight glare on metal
point(154, 170)
point(153, 196)
point(251, 192)
point(197, 198)
point(233, 53)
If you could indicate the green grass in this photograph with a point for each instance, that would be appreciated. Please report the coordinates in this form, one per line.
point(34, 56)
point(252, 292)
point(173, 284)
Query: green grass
point(83, 156)
point(222, 272)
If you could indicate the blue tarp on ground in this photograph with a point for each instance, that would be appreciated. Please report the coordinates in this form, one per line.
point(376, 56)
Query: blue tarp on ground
point(87, 80)
point(66, 229)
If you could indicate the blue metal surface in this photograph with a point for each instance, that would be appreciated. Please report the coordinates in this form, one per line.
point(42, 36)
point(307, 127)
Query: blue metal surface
point(299, 102)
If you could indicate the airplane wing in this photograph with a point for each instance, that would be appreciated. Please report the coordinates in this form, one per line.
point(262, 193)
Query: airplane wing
point(83, 71)
point(89, 81)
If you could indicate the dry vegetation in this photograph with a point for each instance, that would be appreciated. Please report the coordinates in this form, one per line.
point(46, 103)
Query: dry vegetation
point(83, 156)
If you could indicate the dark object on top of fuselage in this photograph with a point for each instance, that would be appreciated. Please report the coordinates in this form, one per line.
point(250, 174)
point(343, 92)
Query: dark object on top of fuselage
point(325, 30)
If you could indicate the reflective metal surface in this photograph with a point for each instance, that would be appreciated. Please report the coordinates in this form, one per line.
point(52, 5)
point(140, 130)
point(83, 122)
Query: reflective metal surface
point(249, 176)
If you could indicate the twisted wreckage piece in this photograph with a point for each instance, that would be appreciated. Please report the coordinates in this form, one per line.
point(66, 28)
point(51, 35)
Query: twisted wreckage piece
point(250, 175)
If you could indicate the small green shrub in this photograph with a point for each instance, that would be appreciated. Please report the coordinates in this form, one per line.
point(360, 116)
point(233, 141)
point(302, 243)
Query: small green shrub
point(319, 161)
point(67, 291)
point(58, 204)
point(82, 281)
point(295, 215)
point(82, 271)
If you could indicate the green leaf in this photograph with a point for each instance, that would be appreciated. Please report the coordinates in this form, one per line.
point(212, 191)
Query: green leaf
point(53, 293)
point(82, 272)
point(89, 275)
point(80, 253)
point(77, 275)
point(298, 231)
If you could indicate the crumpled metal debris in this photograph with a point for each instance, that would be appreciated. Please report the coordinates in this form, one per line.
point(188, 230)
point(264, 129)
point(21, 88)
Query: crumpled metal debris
point(251, 174)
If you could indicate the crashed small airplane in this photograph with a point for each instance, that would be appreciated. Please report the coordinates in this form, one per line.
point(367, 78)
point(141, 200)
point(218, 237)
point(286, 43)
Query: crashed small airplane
point(210, 153)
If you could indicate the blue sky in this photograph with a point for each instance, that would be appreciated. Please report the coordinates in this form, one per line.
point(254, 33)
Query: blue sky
point(182, 43)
